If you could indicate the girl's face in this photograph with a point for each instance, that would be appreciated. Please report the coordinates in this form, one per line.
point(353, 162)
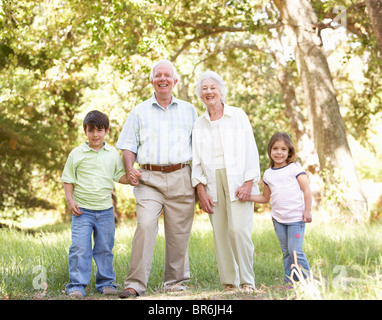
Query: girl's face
point(279, 153)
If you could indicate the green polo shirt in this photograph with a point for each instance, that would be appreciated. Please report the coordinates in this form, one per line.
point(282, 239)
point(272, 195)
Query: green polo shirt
point(92, 174)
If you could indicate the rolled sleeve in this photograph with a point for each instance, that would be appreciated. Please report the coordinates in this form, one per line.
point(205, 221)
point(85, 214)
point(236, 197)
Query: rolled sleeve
point(197, 175)
point(252, 163)
point(68, 175)
point(129, 137)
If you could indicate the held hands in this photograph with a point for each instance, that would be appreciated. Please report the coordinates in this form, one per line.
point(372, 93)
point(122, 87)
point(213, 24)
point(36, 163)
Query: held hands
point(133, 176)
point(244, 191)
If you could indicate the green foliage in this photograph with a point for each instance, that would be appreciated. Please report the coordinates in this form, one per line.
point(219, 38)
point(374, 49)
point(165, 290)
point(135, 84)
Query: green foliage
point(59, 60)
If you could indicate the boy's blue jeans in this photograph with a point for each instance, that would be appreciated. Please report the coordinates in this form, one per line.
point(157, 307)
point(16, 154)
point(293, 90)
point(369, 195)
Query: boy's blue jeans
point(291, 236)
point(100, 224)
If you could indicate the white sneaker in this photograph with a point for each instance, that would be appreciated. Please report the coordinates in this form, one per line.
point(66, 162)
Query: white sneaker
point(176, 287)
point(248, 289)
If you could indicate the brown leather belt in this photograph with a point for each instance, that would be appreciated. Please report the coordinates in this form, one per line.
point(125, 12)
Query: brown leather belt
point(164, 169)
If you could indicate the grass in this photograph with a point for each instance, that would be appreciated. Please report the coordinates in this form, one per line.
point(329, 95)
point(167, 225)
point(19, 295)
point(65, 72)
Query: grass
point(345, 261)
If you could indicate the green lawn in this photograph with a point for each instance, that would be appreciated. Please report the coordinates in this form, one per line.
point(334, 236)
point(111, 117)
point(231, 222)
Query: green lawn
point(345, 261)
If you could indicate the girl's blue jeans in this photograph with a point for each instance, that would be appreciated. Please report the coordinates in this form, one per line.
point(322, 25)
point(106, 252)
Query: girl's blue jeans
point(291, 236)
point(100, 224)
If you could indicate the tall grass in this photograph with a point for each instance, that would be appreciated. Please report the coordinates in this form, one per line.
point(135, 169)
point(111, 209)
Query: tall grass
point(345, 261)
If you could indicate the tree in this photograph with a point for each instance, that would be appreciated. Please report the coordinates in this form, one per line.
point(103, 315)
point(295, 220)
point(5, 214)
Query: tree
point(59, 59)
point(329, 132)
point(375, 12)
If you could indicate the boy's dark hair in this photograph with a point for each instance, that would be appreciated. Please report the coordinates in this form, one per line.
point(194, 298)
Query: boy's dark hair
point(96, 119)
point(281, 136)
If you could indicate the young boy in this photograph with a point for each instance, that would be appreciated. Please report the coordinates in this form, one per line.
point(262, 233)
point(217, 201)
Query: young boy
point(88, 181)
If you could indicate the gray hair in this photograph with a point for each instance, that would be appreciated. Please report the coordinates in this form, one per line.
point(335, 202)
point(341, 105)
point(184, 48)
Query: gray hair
point(164, 61)
point(215, 77)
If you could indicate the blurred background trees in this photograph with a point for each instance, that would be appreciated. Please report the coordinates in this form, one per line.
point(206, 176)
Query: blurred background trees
point(61, 59)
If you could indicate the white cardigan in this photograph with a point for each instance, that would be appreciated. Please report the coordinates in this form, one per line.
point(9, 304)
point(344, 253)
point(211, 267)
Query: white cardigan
point(240, 152)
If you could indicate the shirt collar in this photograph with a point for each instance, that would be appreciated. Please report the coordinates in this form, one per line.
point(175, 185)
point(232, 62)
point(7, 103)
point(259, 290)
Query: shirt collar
point(85, 147)
point(154, 102)
point(227, 111)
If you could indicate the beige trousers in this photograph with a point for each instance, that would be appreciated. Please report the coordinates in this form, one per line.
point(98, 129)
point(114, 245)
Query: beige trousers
point(173, 193)
point(232, 223)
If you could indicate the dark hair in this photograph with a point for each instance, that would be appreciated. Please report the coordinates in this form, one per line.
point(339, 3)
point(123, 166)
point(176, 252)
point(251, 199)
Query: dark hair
point(281, 136)
point(96, 119)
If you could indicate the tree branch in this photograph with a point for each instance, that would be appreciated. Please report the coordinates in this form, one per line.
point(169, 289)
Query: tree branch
point(212, 30)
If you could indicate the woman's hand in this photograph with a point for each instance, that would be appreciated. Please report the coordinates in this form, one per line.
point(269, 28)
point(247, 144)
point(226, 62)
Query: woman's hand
point(206, 202)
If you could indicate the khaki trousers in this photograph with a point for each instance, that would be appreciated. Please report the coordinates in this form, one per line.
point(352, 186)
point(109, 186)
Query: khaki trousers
point(173, 193)
point(232, 223)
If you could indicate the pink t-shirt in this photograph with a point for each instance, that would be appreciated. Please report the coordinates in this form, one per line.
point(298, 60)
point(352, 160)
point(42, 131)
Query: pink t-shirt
point(287, 198)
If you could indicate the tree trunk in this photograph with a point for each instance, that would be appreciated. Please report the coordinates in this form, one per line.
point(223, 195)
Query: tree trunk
point(329, 133)
point(374, 8)
point(305, 144)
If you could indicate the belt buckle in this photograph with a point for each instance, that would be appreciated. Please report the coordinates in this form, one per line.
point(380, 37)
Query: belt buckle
point(161, 169)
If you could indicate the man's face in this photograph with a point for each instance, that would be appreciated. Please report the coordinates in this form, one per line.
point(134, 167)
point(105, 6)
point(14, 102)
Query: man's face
point(163, 80)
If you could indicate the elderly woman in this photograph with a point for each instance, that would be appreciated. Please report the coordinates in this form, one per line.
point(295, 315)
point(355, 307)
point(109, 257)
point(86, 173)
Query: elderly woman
point(225, 172)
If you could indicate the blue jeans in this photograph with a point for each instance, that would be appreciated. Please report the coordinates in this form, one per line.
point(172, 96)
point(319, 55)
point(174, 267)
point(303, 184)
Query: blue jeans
point(291, 236)
point(100, 224)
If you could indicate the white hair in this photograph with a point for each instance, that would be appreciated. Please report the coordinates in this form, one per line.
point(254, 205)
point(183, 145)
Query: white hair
point(164, 61)
point(215, 77)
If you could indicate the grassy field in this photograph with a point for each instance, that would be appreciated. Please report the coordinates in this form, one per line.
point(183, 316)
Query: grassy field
point(345, 261)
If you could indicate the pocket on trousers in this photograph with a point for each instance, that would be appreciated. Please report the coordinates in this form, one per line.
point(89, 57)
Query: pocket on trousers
point(179, 183)
point(145, 176)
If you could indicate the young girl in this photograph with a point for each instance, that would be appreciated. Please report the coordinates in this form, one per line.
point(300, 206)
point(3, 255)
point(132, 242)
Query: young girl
point(288, 186)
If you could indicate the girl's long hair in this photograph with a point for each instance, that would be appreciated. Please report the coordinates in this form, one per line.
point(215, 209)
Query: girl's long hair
point(281, 136)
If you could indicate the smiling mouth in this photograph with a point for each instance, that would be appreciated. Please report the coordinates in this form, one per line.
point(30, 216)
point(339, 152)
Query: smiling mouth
point(163, 85)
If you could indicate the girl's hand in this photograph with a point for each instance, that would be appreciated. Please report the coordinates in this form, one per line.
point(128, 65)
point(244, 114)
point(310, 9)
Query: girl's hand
point(307, 217)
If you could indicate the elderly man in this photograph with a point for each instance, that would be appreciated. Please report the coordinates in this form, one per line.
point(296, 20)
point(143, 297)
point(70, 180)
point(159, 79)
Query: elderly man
point(157, 135)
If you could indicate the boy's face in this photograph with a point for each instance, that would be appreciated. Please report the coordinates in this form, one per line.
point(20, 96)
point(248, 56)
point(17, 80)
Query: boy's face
point(96, 137)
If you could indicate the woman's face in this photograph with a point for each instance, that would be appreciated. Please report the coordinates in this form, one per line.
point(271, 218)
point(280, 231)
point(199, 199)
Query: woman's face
point(210, 93)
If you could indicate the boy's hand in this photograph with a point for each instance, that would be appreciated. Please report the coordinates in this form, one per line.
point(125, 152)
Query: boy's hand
point(74, 209)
